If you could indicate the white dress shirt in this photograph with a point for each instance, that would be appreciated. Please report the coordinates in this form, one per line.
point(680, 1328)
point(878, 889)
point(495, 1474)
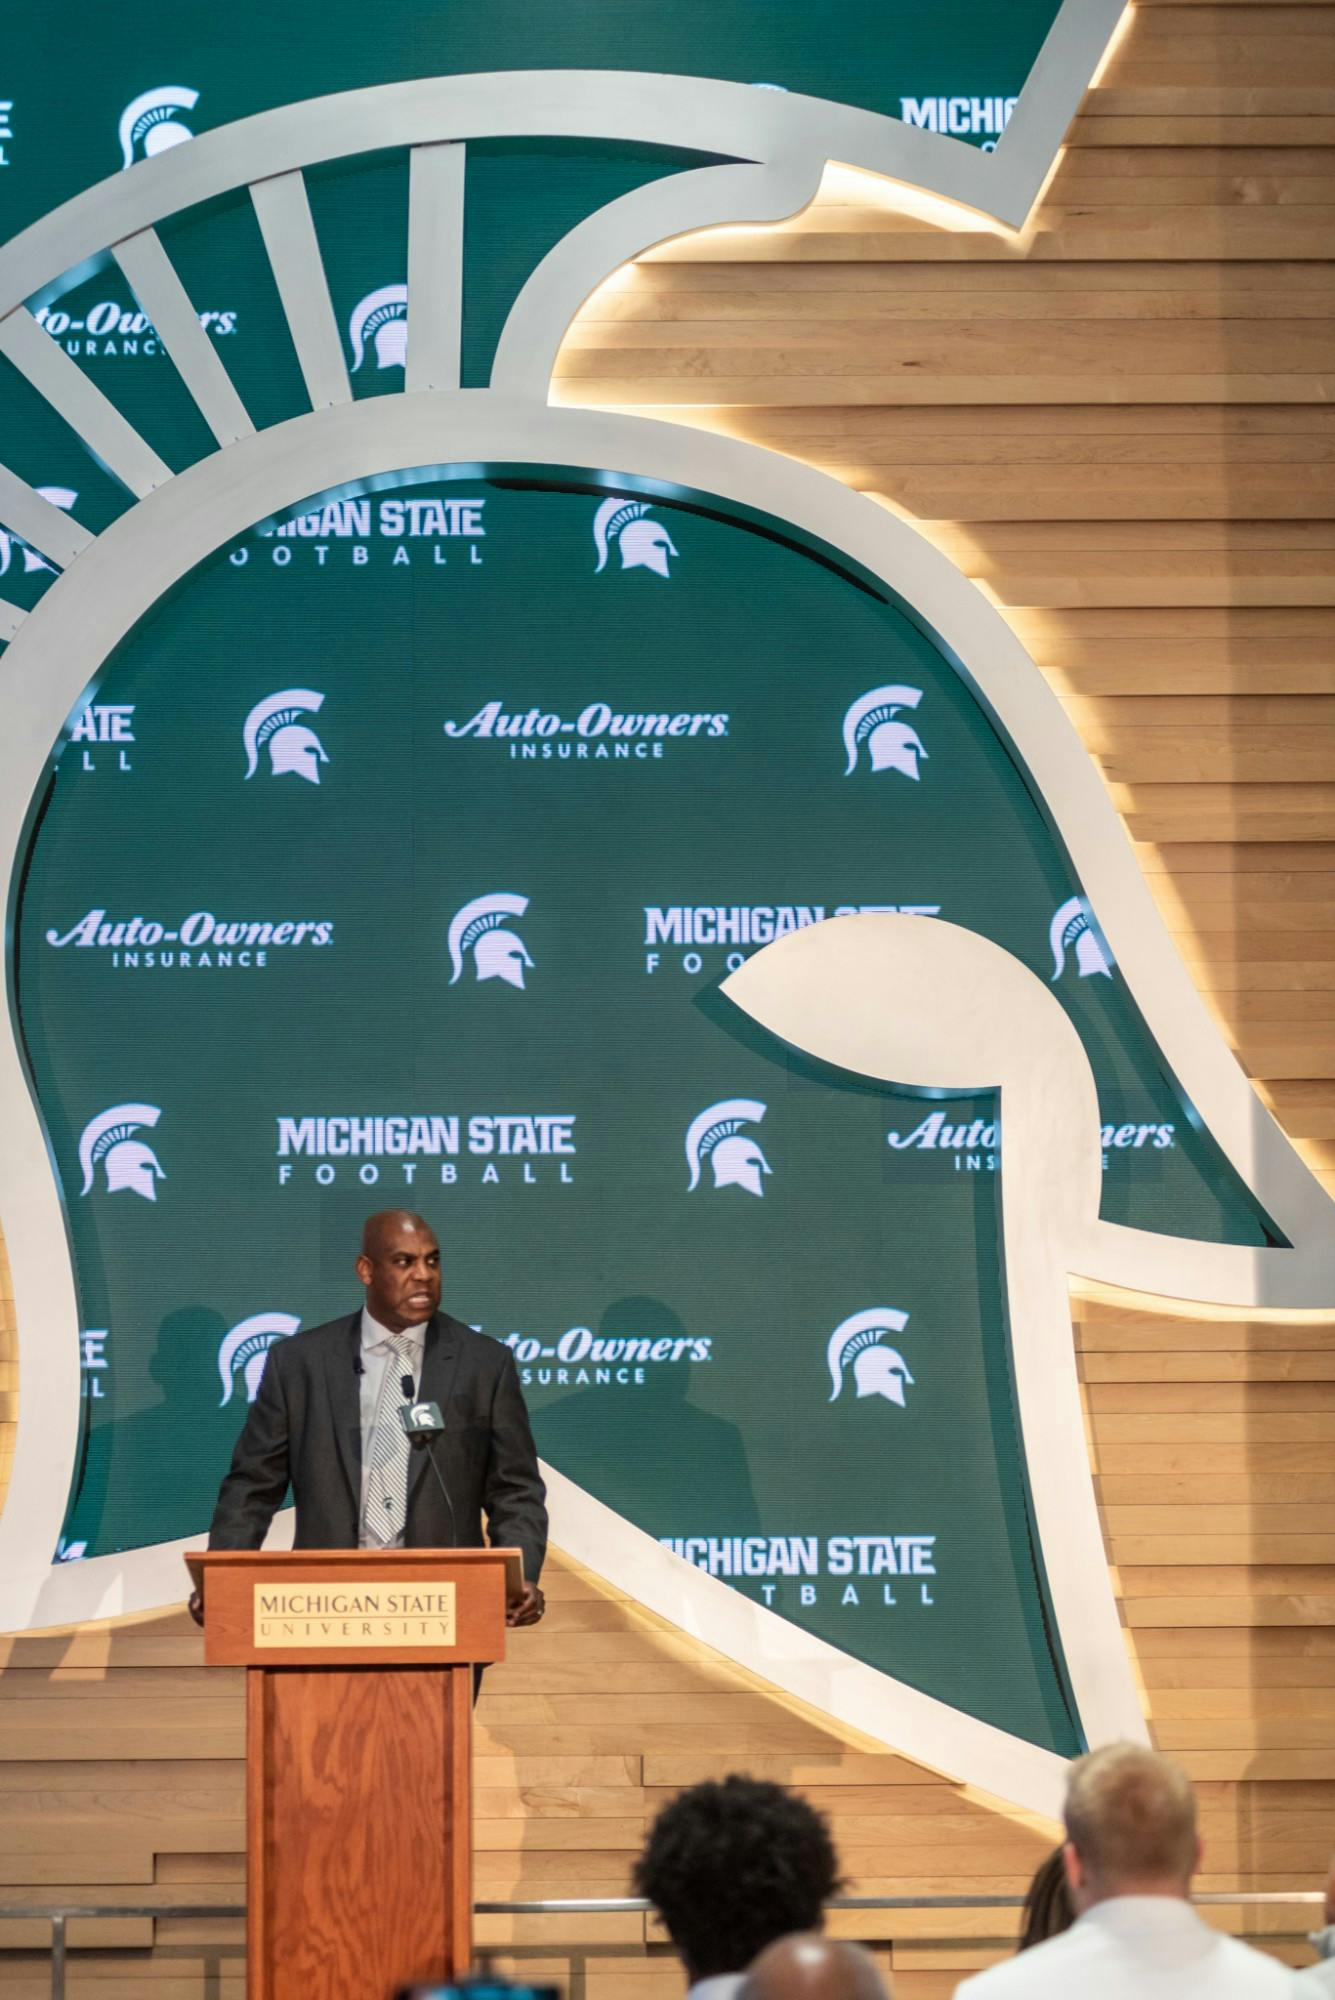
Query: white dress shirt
point(1135, 1948)
point(377, 1355)
point(723, 1986)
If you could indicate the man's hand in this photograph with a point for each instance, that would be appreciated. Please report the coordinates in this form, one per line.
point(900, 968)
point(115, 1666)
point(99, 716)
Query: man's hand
point(527, 1608)
point(196, 1606)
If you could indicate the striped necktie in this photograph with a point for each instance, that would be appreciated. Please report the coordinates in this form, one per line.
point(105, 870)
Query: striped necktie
point(387, 1483)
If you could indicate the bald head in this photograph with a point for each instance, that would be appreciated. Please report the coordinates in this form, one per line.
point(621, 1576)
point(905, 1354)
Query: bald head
point(388, 1222)
point(400, 1268)
point(809, 1967)
point(1130, 1825)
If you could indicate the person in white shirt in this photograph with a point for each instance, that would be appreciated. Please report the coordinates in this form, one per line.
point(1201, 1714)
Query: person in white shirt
point(730, 1867)
point(1131, 1851)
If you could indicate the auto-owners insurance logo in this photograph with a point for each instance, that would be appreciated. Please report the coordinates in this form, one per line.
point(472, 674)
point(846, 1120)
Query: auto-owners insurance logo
point(599, 730)
point(202, 941)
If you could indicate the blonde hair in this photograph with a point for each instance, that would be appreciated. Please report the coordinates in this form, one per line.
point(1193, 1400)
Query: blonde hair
point(1131, 1816)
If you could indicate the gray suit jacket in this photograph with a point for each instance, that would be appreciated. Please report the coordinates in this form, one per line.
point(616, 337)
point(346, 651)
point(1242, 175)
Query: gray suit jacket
point(304, 1430)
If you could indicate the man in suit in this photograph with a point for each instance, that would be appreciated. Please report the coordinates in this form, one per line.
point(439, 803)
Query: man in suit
point(326, 1423)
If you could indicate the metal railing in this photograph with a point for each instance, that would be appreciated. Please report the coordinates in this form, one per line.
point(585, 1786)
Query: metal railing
point(61, 1915)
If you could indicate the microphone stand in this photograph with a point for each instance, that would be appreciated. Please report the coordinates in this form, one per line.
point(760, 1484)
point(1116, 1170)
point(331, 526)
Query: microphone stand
point(420, 1441)
point(428, 1445)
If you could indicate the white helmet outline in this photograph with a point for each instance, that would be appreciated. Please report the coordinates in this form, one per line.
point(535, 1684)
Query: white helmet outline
point(1073, 924)
point(127, 1162)
point(149, 117)
point(382, 318)
point(480, 927)
point(877, 1370)
point(245, 1349)
point(641, 542)
point(892, 745)
point(292, 746)
point(713, 1135)
point(63, 497)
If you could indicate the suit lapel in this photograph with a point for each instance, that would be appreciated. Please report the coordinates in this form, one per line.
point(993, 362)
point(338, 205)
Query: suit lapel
point(440, 1359)
point(344, 1385)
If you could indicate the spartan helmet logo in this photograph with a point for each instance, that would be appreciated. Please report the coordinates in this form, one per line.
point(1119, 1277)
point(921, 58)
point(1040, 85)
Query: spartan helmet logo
point(480, 927)
point(644, 544)
point(717, 1136)
point(292, 746)
point(59, 496)
point(382, 318)
point(891, 744)
point(149, 125)
point(1074, 925)
point(127, 1162)
point(246, 1349)
point(877, 1370)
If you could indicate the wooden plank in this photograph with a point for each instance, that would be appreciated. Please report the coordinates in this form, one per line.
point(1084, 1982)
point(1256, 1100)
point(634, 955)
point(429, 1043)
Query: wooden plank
point(675, 1769)
point(1187, 1581)
point(842, 347)
point(1242, 1675)
point(616, 379)
point(1237, 1642)
point(1231, 1703)
point(1141, 173)
point(1261, 1610)
point(134, 1728)
point(1213, 1365)
point(102, 1684)
point(1134, 1489)
point(1237, 1427)
point(1211, 1398)
point(1246, 1733)
point(1206, 98)
point(1214, 1460)
point(1243, 1517)
point(1177, 1549)
point(127, 1933)
point(1167, 129)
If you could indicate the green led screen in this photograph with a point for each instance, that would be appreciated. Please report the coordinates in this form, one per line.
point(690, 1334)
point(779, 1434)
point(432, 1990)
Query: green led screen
point(397, 860)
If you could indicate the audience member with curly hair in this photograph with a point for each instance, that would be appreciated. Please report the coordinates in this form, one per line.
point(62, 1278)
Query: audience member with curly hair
point(730, 1867)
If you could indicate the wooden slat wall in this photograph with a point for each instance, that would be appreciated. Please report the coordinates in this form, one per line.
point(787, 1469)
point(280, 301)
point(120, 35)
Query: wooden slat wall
point(1122, 425)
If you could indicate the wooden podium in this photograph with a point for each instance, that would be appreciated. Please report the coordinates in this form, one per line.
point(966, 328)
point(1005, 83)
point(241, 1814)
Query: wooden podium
point(359, 1718)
